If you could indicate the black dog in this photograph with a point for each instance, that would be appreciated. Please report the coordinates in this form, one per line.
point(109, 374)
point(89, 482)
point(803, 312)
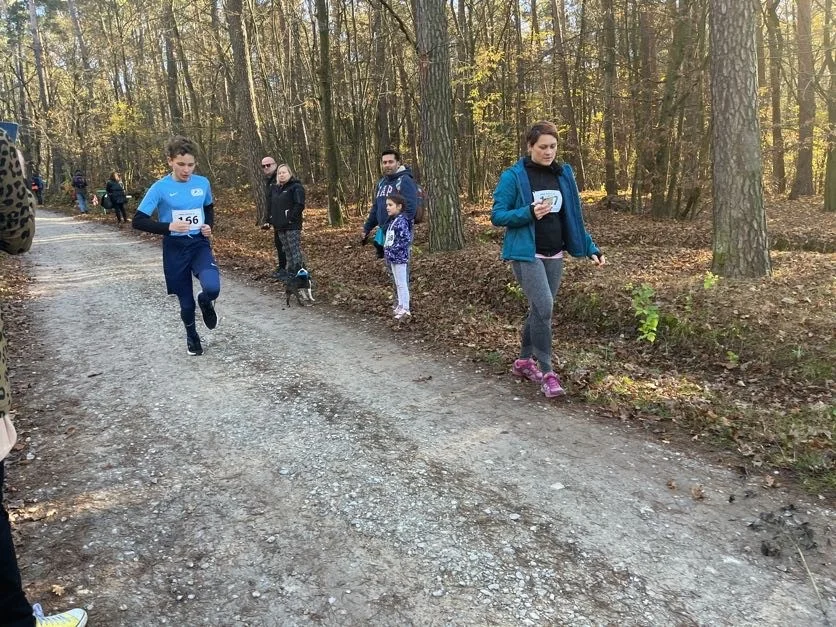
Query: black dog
point(299, 285)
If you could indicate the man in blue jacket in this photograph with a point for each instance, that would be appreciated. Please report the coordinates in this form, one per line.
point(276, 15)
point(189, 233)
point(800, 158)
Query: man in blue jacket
point(397, 178)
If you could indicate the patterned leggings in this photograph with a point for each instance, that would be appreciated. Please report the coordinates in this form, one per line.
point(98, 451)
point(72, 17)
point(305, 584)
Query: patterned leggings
point(292, 246)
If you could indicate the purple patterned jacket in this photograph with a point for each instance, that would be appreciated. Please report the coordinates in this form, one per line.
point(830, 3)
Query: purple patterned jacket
point(398, 240)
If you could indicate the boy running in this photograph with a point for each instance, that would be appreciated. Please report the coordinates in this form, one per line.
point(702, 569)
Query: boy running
point(185, 215)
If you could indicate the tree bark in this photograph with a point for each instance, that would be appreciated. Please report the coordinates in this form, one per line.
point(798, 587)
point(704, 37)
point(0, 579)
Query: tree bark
point(680, 44)
point(803, 183)
point(171, 74)
point(573, 148)
point(38, 51)
point(740, 238)
point(776, 45)
point(437, 158)
point(830, 60)
point(251, 139)
point(609, 69)
point(332, 173)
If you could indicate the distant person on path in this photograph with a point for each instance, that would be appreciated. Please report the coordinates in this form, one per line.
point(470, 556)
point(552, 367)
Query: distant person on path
point(80, 186)
point(396, 249)
point(285, 204)
point(396, 178)
point(116, 193)
point(185, 216)
point(269, 168)
point(537, 202)
point(38, 185)
point(17, 229)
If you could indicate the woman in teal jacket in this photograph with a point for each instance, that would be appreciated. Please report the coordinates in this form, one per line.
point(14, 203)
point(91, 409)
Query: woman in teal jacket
point(537, 202)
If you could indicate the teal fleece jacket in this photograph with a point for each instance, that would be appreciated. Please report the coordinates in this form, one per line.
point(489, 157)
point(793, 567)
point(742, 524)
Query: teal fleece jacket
point(512, 200)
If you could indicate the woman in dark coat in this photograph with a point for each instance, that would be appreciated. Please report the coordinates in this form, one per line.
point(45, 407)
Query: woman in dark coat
point(285, 205)
point(116, 195)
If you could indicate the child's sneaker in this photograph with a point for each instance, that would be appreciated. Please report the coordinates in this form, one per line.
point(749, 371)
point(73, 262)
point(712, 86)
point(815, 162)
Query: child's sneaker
point(72, 618)
point(402, 313)
point(527, 369)
point(551, 385)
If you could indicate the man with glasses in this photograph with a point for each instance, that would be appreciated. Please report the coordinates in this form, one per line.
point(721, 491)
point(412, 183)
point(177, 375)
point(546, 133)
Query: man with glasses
point(269, 167)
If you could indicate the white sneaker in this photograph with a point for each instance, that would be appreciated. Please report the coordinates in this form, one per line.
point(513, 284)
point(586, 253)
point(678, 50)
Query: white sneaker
point(72, 618)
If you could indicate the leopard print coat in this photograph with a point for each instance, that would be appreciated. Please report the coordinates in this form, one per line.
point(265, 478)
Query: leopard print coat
point(17, 228)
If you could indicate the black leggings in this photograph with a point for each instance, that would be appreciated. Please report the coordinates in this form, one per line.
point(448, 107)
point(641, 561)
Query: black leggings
point(119, 208)
point(16, 610)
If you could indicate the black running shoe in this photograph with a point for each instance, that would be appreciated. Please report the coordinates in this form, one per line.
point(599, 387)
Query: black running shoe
point(210, 318)
point(193, 344)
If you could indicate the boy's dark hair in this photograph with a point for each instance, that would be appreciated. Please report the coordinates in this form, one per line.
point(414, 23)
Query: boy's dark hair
point(543, 127)
point(397, 198)
point(391, 150)
point(179, 145)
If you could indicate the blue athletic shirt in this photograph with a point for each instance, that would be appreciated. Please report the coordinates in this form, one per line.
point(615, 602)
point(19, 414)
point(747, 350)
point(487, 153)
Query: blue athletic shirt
point(174, 200)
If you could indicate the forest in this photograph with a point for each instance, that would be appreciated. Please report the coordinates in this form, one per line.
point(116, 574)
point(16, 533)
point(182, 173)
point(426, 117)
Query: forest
point(702, 134)
point(100, 84)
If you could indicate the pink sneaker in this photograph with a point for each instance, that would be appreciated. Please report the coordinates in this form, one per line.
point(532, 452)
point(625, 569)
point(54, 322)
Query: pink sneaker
point(551, 385)
point(527, 369)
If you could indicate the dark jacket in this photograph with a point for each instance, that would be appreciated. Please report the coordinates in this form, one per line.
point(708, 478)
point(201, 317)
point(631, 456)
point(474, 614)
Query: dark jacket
point(512, 200)
point(115, 192)
point(79, 182)
point(285, 204)
point(402, 183)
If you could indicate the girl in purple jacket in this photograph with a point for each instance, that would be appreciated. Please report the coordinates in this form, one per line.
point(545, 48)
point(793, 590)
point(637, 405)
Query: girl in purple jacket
point(396, 251)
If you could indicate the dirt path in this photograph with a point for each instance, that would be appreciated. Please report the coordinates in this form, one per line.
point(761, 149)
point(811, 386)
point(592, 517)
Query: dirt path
point(304, 471)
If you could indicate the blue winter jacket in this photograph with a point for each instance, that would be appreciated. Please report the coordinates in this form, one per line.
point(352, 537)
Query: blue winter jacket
point(512, 200)
point(400, 182)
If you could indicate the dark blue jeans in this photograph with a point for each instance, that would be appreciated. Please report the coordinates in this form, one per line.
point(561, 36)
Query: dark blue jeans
point(15, 610)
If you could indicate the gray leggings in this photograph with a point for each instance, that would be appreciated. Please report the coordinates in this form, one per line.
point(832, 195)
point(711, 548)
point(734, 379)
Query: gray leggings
point(540, 280)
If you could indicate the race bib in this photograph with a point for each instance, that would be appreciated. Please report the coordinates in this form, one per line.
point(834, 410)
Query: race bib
point(390, 238)
point(192, 217)
point(551, 197)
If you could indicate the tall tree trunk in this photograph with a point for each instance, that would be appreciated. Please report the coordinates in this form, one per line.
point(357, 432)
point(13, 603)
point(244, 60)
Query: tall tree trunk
point(740, 239)
point(521, 102)
point(215, 23)
point(38, 51)
point(803, 183)
point(82, 46)
point(644, 80)
point(437, 158)
point(695, 137)
point(830, 60)
point(300, 120)
point(466, 130)
point(609, 69)
point(775, 44)
point(172, 78)
point(194, 102)
point(253, 148)
point(573, 148)
point(382, 70)
point(332, 174)
point(680, 45)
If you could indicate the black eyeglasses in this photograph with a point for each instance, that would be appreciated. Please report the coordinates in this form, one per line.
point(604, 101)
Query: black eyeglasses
point(267, 165)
